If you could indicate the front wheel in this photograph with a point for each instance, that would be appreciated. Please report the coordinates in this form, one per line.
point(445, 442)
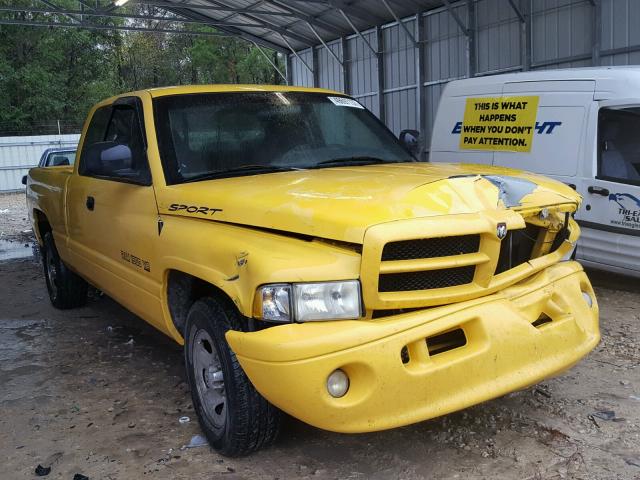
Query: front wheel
point(236, 419)
point(66, 289)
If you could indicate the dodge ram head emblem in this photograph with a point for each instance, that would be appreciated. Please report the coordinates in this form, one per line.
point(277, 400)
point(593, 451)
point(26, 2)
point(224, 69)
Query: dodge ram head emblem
point(501, 230)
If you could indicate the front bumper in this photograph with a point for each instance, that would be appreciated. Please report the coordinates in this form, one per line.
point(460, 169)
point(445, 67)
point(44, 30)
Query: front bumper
point(512, 339)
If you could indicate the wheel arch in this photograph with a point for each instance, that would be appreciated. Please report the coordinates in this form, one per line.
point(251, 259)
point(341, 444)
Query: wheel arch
point(41, 225)
point(184, 287)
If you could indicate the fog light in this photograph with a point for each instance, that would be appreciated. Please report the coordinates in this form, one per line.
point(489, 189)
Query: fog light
point(587, 299)
point(337, 384)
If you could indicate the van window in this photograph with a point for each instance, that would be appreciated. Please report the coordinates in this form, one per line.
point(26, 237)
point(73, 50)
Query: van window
point(619, 145)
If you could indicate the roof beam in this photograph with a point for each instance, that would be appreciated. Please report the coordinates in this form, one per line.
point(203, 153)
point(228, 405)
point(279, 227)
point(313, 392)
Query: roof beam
point(456, 17)
point(216, 8)
point(284, 77)
point(271, 26)
point(362, 37)
point(516, 9)
point(298, 56)
point(354, 11)
point(400, 22)
point(304, 16)
point(70, 13)
point(56, 8)
point(92, 26)
point(325, 45)
point(231, 31)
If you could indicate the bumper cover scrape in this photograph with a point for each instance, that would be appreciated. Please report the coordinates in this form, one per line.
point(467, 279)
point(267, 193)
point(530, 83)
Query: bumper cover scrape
point(507, 348)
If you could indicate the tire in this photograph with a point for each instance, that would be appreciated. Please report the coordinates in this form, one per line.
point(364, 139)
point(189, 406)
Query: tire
point(235, 418)
point(66, 289)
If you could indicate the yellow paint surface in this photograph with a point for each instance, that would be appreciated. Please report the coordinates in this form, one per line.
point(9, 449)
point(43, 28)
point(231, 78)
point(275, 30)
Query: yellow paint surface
point(332, 224)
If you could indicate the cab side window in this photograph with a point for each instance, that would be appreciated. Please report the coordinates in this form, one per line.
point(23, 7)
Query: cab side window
point(115, 149)
point(619, 145)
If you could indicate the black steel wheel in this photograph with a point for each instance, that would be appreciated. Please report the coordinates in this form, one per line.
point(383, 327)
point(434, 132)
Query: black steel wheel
point(235, 418)
point(66, 289)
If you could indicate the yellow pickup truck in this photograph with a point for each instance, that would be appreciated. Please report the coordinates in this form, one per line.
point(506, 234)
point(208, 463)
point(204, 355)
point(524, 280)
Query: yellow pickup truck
point(308, 263)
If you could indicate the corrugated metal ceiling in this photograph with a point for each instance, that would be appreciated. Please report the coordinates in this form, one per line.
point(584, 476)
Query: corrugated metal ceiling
point(284, 24)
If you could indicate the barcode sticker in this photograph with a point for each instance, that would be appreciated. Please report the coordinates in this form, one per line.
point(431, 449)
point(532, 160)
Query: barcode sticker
point(345, 102)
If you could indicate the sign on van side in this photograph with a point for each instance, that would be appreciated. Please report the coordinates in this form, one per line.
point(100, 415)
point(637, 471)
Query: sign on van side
point(499, 123)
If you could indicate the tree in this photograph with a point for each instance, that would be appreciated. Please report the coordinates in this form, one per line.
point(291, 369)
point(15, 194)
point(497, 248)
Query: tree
point(50, 74)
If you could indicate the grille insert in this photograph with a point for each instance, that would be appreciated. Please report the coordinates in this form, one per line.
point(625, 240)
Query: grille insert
point(425, 280)
point(430, 247)
point(516, 248)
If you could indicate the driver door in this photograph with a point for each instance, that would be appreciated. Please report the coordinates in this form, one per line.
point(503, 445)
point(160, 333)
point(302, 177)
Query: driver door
point(112, 212)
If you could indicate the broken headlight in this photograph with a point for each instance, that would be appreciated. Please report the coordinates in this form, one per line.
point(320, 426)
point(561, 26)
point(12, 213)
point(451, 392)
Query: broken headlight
point(309, 302)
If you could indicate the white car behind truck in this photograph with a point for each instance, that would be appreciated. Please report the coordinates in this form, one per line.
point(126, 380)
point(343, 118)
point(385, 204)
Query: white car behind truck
point(579, 126)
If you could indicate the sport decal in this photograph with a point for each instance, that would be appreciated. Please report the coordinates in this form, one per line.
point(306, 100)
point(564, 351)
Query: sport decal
point(176, 207)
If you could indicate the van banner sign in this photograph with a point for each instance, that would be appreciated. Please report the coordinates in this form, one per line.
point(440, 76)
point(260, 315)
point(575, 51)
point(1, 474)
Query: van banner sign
point(499, 123)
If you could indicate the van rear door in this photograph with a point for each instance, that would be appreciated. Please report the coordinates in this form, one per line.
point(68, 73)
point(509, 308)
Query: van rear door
point(559, 132)
point(610, 216)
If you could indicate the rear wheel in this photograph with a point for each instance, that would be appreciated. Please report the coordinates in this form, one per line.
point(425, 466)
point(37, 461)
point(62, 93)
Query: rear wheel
point(236, 419)
point(66, 289)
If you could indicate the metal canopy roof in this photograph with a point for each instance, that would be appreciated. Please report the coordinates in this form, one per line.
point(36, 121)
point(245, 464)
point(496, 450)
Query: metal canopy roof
point(286, 25)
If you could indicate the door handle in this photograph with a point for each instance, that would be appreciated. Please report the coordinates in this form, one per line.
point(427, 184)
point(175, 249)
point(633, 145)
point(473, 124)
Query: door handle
point(91, 203)
point(598, 191)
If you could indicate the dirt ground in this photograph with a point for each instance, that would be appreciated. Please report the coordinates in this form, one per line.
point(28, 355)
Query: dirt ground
point(98, 392)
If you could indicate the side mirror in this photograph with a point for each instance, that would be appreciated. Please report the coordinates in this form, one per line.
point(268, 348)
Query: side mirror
point(103, 158)
point(116, 157)
point(411, 140)
point(24, 179)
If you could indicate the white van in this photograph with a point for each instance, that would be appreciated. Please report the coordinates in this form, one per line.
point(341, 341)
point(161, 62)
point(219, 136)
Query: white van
point(579, 126)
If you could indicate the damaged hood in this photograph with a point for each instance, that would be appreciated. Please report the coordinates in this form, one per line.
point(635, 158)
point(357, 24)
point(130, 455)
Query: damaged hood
point(341, 203)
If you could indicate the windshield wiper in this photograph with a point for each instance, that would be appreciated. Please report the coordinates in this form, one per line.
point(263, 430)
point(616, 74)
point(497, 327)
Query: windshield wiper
point(243, 170)
point(364, 160)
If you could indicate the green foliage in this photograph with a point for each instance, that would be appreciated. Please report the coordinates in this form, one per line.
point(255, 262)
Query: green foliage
point(50, 74)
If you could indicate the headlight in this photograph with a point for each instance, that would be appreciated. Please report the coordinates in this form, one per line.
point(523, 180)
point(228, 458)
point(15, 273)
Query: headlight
point(307, 302)
point(276, 303)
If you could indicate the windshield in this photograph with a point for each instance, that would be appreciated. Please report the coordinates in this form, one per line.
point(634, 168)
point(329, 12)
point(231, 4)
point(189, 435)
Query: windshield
point(229, 134)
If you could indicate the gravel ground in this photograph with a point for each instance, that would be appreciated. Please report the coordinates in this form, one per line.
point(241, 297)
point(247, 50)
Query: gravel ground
point(97, 391)
point(14, 223)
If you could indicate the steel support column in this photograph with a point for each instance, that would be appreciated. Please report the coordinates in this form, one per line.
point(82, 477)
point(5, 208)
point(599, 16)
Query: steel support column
point(527, 45)
point(289, 69)
point(471, 37)
point(596, 31)
point(421, 94)
point(346, 77)
point(316, 68)
point(380, 65)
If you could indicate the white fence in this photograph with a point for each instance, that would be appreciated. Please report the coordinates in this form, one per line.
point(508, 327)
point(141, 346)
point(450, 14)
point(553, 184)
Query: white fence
point(19, 154)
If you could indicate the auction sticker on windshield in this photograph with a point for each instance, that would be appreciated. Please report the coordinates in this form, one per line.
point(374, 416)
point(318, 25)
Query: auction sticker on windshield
point(345, 102)
point(499, 123)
